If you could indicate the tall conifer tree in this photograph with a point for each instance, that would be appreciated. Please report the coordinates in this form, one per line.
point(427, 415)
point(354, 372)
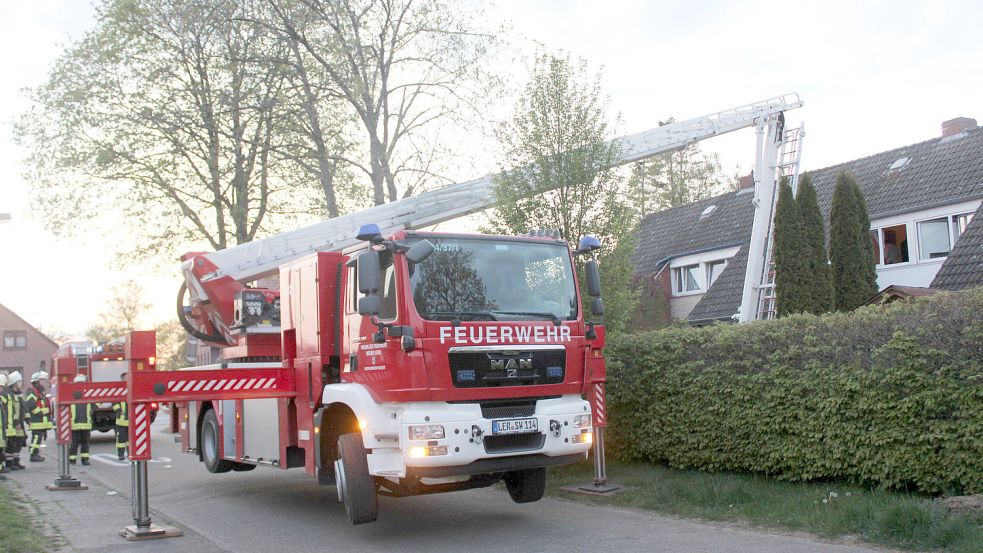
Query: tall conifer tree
point(851, 252)
point(790, 267)
point(819, 284)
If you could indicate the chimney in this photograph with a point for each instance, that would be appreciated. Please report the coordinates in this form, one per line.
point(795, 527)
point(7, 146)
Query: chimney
point(957, 125)
point(747, 181)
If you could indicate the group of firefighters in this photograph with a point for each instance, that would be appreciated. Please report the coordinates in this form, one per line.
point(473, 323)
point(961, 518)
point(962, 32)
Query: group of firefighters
point(22, 410)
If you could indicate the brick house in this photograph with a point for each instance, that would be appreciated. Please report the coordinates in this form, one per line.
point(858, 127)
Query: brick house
point(24, 348)
point(921, 199)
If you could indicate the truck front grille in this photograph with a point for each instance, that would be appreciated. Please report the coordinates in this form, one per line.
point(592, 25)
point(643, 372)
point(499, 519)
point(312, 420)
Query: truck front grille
point(488, 369)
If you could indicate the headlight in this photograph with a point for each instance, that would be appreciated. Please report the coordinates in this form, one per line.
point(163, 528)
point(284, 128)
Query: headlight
point(582, 421)
point(427, 432)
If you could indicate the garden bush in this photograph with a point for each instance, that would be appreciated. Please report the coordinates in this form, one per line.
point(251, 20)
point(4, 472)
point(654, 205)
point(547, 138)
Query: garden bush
point(888, 396)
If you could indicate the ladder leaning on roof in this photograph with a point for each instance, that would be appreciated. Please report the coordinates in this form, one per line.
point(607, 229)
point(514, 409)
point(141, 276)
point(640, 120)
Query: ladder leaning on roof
point(784, 145)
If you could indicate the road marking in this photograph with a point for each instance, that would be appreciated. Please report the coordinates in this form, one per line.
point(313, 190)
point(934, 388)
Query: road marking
point(112, 460)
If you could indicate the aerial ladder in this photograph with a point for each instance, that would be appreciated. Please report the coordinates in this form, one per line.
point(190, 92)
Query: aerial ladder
point(217, 305)
point(214, 275)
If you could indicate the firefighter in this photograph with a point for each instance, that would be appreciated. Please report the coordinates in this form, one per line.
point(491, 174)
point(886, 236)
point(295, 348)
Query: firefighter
point(81, 428)
point(122, 426)
point(3, 426)
point(38, 408)
point(16, 437)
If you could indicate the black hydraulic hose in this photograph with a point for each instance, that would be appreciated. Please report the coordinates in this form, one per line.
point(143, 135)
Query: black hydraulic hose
point(183, 319)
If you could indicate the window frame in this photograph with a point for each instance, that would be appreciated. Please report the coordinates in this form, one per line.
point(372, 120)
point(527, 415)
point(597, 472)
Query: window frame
point(880, 263)
point(677, 274)
point(707, 276)
point(14, 335)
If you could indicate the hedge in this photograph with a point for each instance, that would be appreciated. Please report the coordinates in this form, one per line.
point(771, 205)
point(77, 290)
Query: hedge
point(887, 396)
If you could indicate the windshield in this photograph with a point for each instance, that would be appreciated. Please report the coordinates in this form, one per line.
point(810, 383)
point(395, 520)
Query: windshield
point(485, 280)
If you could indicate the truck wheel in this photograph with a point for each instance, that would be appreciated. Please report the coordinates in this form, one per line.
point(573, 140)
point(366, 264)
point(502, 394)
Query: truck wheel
point(526, 486)
point(209, 445)
point(356, 487)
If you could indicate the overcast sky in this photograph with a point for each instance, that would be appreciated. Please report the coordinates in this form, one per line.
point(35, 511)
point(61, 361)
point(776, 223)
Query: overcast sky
point(873, 76)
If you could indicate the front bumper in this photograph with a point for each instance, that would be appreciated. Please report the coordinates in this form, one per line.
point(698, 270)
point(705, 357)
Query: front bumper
point(471, 446)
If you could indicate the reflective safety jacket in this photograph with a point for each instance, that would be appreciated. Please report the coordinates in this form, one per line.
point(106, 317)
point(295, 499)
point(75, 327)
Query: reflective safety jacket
point(6, 429)
point(122, 417)
point(13, 404)
point(82, 417)
point(38, 408)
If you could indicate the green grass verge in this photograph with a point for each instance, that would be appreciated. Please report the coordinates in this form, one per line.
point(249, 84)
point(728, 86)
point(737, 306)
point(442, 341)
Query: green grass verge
point(829, 510)
point(18, 531)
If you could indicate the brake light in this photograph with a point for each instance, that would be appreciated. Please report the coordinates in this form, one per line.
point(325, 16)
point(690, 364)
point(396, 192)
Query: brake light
point(153, 405)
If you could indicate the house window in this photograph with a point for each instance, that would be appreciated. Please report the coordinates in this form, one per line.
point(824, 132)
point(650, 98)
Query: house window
point(714, 268)
point(14, 339)
point(933, 238)
point(959, 224)
point(687, 279)
point(894, 244)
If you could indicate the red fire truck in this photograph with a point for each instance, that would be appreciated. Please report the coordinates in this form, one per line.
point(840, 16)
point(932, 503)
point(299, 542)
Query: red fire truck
point(420, 363)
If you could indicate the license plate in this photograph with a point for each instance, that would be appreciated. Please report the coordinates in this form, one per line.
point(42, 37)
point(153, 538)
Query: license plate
point(515, 426)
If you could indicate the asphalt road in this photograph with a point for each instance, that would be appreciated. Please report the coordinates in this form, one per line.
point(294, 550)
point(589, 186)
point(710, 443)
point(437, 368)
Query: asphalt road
point(269, 510)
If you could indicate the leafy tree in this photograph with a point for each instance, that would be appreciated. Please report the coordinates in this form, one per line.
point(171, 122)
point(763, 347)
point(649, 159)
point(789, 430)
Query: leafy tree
point(851, 252)
point(124, 312)
point(172, 343)
point(162, 113)
point(560, 157)
point(819, 284)
point(791, 261)
point(675, 178)
point(403, 67)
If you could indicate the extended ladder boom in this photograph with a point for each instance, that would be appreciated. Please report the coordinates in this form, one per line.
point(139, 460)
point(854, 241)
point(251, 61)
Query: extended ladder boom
point(255, 259)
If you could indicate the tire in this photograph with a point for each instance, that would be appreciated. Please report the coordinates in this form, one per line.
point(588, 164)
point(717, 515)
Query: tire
point(209, 445)
point(356, 487)
point(526, 486)
point(243, 467)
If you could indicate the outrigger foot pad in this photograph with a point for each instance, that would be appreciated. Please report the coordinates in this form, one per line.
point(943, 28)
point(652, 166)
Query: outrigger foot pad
point(153, 532)
point(66, 485)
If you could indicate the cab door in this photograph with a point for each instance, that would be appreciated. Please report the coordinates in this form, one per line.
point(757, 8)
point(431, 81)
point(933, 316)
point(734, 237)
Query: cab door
point(376, 365)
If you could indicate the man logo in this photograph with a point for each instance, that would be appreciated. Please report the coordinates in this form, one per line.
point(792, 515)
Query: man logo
point(512, 365)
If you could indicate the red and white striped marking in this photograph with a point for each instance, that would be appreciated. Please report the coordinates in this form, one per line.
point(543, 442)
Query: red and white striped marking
point(64, 424)
point(600, 418)
point(221, 385)
point(140, 433)
point(103, 392)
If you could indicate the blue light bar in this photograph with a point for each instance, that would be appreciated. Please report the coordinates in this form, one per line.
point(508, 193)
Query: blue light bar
point(554, 372)
point(467, 375)
point(589, 243)
point(369, 232)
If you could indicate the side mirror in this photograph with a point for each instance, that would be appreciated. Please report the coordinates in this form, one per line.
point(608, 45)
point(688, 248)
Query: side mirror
point(597, 307)
point(593, 279)
point(368, 272)
point(419, 252)
point(369, 305)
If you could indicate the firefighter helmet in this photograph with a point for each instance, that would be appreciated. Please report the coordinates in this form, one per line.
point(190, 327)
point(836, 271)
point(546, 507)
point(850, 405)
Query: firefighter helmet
point(79, 378)
point(40, 375)
point(3, 379)
point(14, 378)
